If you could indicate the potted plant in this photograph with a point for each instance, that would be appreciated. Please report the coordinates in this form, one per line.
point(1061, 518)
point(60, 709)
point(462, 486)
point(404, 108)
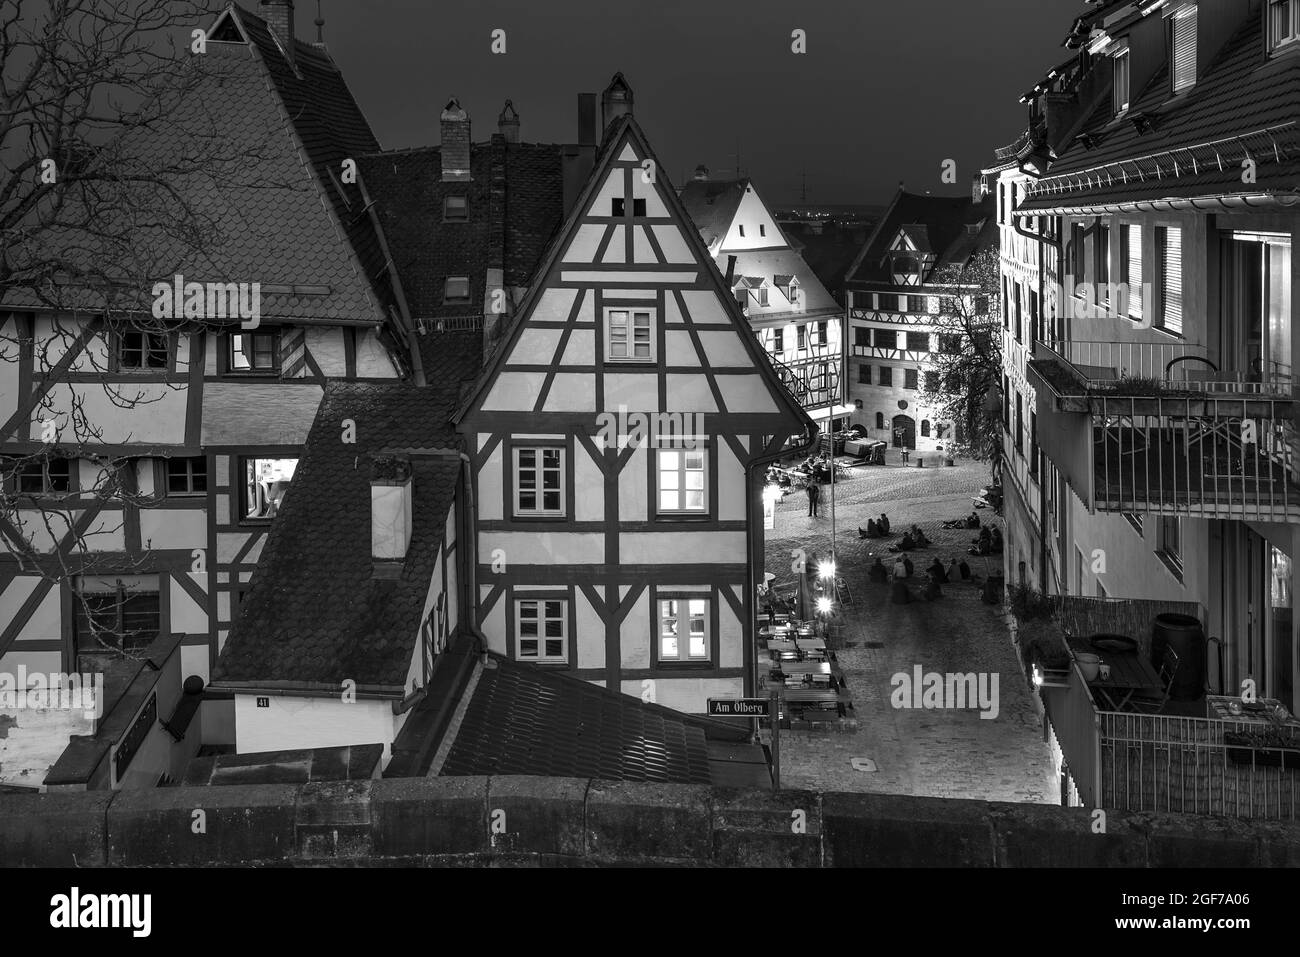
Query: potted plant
point(1263, 747)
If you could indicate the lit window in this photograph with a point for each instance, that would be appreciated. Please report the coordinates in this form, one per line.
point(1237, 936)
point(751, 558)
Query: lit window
point(1121, 61)
point(539, 481)
point(142, 350)
point(187, 476)
point(455, 209)
point(684, 629)
point(255, 352)
point(543, 630)
point(681, 481)
point(1183, 48)
point(265, 482)
point(1283, 22)
point(456, 289)
point(631, 335)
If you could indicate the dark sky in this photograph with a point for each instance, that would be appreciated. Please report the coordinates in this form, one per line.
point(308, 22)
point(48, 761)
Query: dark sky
point(886, 92)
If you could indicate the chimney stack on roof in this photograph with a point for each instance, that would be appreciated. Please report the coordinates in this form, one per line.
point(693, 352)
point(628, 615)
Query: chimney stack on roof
point(616, 100)
point(508, 123)
point(701, 174)
point(587, 119)
point(977, 190)
point(278, 15)
point(455, 143)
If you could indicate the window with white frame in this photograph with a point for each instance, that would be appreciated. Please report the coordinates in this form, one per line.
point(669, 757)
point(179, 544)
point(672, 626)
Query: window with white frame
point(684, 629)
point(629, 335)
point(1121, 68)
point(1283, 22)
point(542, 629)
point(1182, 48)
point(681, 485)
point(539, 481)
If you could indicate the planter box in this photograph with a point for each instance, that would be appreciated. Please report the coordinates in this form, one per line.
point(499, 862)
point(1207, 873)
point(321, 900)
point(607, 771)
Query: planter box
point(1267, 756)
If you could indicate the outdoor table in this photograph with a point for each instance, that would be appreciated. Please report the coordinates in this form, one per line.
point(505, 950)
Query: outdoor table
point(818, 669)
point(1217, 706)
point(1130, 675)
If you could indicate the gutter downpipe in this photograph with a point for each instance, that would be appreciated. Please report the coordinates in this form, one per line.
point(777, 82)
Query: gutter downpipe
point(403, 315)
point(1043, 523)
point(470, 562)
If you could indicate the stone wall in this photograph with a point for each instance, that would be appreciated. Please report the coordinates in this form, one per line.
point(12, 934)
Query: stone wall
point(531, 821)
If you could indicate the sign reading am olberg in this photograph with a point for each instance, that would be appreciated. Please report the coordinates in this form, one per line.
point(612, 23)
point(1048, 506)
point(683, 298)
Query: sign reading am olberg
point(744, 707)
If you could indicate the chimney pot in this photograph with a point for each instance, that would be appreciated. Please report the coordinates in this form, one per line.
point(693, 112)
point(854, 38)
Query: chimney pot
point(702, 173)
point(278, 15)
point(508, 123)
point(455, 143)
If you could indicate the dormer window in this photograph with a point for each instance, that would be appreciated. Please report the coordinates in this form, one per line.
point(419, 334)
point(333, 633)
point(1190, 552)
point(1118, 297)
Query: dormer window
point(455, 209)
point(1182, 48)
point(456, 289)
point(1121, 62)
point(1283, 23)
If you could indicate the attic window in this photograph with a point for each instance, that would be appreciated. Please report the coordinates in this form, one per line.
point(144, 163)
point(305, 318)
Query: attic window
point(762, 230)
point(618, 207)
point(1182, 47)
point(1283, 23)
point(742, 230)
point(455, 209)
point(1121, 66)
point(456, 289)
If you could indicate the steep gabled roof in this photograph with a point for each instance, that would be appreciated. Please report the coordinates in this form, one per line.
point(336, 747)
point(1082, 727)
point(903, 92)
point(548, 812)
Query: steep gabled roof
point(268, 143)
point(315, 616)
point(712, 205)
point(1236, 97)
point(934, 223)
point(623, 131)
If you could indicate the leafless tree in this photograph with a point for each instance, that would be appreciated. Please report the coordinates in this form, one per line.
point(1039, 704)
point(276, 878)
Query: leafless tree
point(111, 172)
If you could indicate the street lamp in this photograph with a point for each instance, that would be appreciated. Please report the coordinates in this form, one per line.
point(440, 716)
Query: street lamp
point(824, 605)
point(826, 570)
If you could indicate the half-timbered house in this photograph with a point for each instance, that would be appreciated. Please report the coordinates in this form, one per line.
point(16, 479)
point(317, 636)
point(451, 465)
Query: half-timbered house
point(615, 436)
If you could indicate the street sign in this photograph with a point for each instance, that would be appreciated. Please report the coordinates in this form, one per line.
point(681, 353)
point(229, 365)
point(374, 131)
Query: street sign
point(738, 707)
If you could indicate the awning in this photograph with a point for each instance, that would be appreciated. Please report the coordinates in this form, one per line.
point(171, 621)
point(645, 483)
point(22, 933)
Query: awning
point(832, 412)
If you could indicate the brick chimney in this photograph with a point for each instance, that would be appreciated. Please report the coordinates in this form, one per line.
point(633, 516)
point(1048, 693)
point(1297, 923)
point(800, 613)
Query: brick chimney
point(977, 190)
point(278, 15)
point(616, 101)
point(508, 123)
point(455, 143)
point(701, 174)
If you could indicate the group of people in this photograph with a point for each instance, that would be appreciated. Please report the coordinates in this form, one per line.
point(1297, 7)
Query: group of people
point(970, 521)
point(876, 527)
point(935, 575)
point(912, 539)
point(988, 542)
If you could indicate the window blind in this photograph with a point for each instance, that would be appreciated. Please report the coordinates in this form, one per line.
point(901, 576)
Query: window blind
point(1171, 280)
point(1183, 58)
point(1133, 270)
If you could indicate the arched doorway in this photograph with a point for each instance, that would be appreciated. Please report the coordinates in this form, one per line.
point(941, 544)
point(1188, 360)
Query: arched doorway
point(904, 432)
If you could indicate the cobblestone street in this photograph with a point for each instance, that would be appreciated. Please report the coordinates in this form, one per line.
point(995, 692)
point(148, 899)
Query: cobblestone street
point(938, 752)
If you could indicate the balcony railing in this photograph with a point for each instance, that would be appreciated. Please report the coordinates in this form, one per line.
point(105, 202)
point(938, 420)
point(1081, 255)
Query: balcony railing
point(1166, 431)
point(1160, 762)
point(1154, 367)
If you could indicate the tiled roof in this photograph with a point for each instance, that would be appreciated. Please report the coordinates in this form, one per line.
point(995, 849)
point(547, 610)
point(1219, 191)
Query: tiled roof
point(315, 616)
point(712, 205)
point(407, 189)
point(781, 264)
point(918, 236)
point(266, 187)
point(1237, 94)
point(782, 279)
point(944, 220)
point(524, 719)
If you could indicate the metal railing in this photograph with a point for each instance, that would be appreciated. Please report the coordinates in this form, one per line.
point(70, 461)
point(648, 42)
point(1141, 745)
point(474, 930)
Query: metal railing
point(1181, 366)
point(1201, 455)
point(1184, 765)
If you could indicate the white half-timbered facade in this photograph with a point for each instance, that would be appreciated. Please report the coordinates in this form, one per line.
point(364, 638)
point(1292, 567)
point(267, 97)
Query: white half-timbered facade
point(615, 437)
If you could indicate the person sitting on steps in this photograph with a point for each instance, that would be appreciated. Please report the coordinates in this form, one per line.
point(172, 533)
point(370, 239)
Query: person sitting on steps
point(904, 544)
point(918, 536)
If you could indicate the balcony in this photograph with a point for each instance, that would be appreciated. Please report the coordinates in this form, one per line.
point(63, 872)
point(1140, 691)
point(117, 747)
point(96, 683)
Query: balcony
point(1186, 763)
point(1155, 427)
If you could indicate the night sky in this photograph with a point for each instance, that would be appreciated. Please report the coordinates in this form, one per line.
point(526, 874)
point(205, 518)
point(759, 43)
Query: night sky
point(886, 92)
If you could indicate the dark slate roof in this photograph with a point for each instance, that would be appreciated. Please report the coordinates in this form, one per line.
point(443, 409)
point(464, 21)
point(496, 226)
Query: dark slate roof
point(938, 223)
point(712, 205)
point(267, 185)
point(1235, 95)
point(521, 218)
point(315, 616)
point(525, 719)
